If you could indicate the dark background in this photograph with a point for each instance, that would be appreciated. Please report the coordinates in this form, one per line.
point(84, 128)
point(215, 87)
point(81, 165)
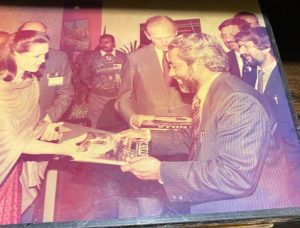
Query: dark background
point(284, 17)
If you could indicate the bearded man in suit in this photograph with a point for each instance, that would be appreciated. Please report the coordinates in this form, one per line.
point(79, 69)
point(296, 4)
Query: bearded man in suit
point(234, 163)
point(238, 65)
point(256, 47)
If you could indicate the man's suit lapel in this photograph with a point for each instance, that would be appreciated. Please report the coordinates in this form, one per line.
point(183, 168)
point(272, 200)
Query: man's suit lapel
point(273, 81)
point(207, 108)
point(233, 64)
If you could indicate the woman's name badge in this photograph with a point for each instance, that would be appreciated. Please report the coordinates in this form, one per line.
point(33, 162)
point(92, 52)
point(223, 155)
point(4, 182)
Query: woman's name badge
point(55, 81)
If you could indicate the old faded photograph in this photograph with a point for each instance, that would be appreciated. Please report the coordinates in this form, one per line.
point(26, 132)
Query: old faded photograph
point(134, 112)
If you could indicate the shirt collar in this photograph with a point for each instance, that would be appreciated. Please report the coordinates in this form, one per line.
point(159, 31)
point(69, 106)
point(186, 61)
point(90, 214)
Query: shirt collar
point(202, 92)
point(269, 68)
point(104, 53)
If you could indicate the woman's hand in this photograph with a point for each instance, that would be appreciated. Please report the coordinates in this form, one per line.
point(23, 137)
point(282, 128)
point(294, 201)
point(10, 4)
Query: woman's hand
point(52, 132)
point(70, 147)
point(136, 121)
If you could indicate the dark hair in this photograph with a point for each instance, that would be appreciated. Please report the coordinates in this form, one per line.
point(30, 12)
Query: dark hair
point(259, 36)
point(107, 36)
point(242, 24)
point(19, 42)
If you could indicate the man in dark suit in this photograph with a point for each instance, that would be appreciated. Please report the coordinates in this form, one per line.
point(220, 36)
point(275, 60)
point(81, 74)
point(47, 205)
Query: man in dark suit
point(234, 164)
point(238, 65)
point(146, 88)
point(256, 47)
point(101, 73)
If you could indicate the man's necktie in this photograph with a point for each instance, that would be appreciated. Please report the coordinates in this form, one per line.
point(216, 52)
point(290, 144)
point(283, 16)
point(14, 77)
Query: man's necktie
point(260, 81)
point(166, 68)
point(196, 120)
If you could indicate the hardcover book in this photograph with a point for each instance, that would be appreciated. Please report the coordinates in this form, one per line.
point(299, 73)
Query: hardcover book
point(164, 123)
point(110, 149)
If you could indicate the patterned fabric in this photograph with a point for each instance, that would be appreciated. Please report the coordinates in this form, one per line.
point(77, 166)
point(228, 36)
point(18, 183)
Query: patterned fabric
point(196, 120)
point(10, 197)
point(106, 74)
point(19, 118)
point(260, 81)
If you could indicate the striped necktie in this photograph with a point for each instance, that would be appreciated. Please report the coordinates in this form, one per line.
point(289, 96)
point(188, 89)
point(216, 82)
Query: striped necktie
point(196, 121)
point(260, 81)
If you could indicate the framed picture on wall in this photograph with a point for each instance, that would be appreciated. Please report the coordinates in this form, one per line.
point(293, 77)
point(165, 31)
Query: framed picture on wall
point(76, 35)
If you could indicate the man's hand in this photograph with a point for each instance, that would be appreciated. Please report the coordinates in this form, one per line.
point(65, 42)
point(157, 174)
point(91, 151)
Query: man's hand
point(137, 120)
point(52, 133)
point(144, 168)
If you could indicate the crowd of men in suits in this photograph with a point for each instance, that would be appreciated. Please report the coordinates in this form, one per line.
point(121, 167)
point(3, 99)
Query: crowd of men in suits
point(242, 144)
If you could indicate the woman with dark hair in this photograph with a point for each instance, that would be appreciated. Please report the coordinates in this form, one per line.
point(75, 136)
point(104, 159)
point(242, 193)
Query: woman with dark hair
point(21, 56)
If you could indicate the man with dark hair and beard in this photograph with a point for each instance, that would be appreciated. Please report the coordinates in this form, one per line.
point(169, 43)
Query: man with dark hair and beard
point(233, 164)
point(255, 46)
point(238, 65)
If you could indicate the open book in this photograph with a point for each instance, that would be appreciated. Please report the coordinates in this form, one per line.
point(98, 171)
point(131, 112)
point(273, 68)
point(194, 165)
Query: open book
point(110, 148)
point(161, 122)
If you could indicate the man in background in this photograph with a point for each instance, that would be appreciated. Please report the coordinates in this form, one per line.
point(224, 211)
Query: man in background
point(237, 64)
point(146, 87)
point(251, 18)
point(101, 73)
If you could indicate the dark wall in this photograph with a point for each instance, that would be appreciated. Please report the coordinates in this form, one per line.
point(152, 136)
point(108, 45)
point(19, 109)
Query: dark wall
point(284, 17)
